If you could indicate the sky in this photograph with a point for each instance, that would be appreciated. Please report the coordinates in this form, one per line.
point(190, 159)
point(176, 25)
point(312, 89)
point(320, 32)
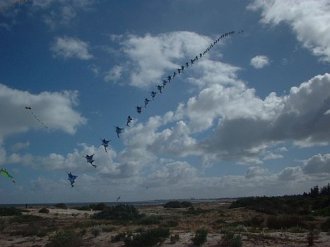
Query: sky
point(249, 118)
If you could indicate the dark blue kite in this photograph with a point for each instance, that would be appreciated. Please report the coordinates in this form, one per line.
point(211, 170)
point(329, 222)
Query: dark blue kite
point(71, 178)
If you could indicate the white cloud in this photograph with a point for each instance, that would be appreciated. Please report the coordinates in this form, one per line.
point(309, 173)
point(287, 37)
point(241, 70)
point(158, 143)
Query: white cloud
point(114, 74)
point(308, 19)
point(296, 117)
point(317, 164)
point(20, 146)
point(68, 47)
point(259, 61)
point(151, 56)
point(54, 109)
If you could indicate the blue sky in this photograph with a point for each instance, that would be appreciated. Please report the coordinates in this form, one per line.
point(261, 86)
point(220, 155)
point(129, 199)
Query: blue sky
point(252, 117)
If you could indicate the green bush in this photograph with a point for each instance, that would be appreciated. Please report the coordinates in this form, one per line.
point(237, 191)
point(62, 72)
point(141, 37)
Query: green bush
point(44, 211)
point(170, 223)
point(178, 204)
point(61, 206)
point(255, 221)
point(10, 211)
point(99, 206)
point(200, 237)
point(119, 212)
point(174, 238)
point(325, 226)
point(118, 237)
point(149, 220)
point(96, 231)
point(147, 238)
point(230, 239)
point(27, 219)
point(284, 222)
point(65, 239)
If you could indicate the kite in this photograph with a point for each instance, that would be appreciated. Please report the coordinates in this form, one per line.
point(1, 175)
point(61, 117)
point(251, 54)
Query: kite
point(118, 198)
point(105, 144)
point(129, 119)
point(119, 131)
point(5, 173)
point(159, 88)
point(29, 108)
point(146, 102)
point(139, 109)
point(71, 178)
point(164, 83)
point(153, 94)
point(90, 160)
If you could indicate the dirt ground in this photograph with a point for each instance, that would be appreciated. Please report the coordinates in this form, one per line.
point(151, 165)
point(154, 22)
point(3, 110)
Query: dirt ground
point(38, 228)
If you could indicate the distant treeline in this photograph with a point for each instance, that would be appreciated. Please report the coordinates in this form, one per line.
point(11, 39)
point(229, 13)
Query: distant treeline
point(316, 202)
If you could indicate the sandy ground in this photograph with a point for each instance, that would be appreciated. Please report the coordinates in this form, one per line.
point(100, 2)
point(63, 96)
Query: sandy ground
point(216, 218)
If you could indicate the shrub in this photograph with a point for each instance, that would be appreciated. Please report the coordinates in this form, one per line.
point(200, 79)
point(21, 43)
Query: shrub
point(118, 237)
point(61, 206)
point(325, 226)
point(174, 238)
point(170, 223)
point(148, 238)
point(96, 231)
point(44, 211)
point(65, 239)
point(177, 204)
point(99, 206)
point(200, 237)
point(10, 211)
point(27, 219)
point(230, 239)
point(255, 221)
point(149, 220)
point(119, 212)
point(284, 221)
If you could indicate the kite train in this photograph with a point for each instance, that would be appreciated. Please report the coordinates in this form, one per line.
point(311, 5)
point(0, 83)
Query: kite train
point(160, 87)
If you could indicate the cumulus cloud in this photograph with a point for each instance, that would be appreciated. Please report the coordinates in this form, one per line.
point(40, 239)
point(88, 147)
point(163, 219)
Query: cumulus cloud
point(55, 109)
point(296, 117)
point(114, 74)
point(259, 61)
point(319, 163)
point(68, 47)
point(152, 56)
point(308, 19)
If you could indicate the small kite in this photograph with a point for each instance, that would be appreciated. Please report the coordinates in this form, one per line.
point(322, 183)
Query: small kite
point(159, 88)
point(5, 173)
point(146, 102)
point(29, 108)
point(90, 160)
point(105, 144)
point(153, 94)
point(118, 198)
point(129, 119)
point(119, 130)
point(71, 178)
point(139, 109)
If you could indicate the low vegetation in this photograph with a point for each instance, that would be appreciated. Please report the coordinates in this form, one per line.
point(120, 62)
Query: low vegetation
point(65, 238)
point(120, 212)
point(200, 237)
point(178, 204)
point(44, 211)
point(10, 211)
point(147, 238)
